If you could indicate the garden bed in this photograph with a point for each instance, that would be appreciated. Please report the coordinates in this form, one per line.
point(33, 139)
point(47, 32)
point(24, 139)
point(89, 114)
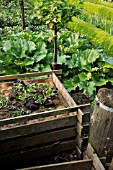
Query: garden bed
point(29, 97)
point(42, 133)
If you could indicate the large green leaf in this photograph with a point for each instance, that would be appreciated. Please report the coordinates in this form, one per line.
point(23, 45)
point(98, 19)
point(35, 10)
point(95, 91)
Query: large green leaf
point(101, 82)
point(108, 59)
point(7, 45)
point(41, 52)
point(89, 91)
point(62, 59)
point(93, 55)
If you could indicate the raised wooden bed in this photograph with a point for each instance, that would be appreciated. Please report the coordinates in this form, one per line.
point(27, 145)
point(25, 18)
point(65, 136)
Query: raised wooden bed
point(56, 131)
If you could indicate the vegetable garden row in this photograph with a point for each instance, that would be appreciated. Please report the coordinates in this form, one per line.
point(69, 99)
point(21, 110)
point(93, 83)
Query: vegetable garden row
point(38, 117)
point(83, 51)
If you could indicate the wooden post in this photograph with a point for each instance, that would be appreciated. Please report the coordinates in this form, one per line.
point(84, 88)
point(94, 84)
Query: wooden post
point(21, 2)
point(54, 64)
point(101, 131)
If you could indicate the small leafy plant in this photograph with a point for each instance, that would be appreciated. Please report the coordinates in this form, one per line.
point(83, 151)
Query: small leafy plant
point(27, 97)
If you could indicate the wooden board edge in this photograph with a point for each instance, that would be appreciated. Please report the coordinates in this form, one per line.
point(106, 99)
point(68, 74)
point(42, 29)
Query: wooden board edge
point(33, 74)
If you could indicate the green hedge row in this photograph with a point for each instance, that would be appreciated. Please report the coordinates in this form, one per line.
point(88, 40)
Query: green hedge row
point(97, 21)
point(108, 4)
point(98, 9)
point(95, 35)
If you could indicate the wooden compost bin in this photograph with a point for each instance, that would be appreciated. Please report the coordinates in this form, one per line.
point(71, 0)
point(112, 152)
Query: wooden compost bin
point(57, 131)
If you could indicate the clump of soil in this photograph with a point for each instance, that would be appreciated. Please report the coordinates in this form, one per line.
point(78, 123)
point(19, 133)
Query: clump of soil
point(79, 97)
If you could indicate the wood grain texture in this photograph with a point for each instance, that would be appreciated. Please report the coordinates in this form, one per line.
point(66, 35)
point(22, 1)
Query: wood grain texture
point(16, 76)
point(73, 165)
point(37, 139)
point(101, 137)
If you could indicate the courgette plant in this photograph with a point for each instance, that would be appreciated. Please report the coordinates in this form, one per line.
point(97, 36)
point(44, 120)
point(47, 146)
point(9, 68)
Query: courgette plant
point(55, 14)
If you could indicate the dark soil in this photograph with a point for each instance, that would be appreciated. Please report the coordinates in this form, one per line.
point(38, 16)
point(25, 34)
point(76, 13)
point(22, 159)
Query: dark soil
point(65, 156)
point(79, 98)
point(36, 101)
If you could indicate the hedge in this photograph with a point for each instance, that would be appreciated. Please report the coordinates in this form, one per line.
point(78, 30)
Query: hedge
point(95, 35)
point(97, 21)
point(98, 9)
point(108, 4)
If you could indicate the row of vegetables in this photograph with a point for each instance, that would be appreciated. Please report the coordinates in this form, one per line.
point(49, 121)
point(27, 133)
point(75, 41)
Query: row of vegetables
point(83, 51)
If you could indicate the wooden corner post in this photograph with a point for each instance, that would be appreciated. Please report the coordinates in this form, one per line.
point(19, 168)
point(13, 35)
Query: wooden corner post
point(101, 131)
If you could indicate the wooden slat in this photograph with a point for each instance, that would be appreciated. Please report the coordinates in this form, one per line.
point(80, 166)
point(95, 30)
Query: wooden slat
point(28, 141)
point(79, 128)
point(82, 142)
point(83, 117)
point(37, 127)
point(73, 165)
point(90, 151)
point(82, 129)
point(79, 141)
point(79, 116)
point(39, 152)
point(103, 160)
point(97, 163)
point(63, 91)
point(40, 115)
point(16, 76)
point(79, 153)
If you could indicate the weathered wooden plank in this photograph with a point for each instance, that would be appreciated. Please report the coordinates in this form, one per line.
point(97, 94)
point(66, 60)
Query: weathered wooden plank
point(35, 139)
point(79, 141)
point(79, 153)
point(79, 128)
point(73, 165)
point(82, 130)
point(101, 137)
point(37, 127)
point(63, 91)
point(79, 116)
point(25, 118)
point(97, 163)
point(82, 142)
point(90, 151)
point(103, 160)
point(83, 117)
point(38, 152)
point(16, 76)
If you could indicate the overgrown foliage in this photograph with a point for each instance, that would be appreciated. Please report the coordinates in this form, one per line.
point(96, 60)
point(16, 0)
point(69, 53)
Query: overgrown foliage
point(85, 66)
point(97, 21)
point(59, 12)
point(98, 9)
point(95, 35)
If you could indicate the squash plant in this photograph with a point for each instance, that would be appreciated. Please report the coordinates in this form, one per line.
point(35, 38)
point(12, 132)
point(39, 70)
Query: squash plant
point(55, 14)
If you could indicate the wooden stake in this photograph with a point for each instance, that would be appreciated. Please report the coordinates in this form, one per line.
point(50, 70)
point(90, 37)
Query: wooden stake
point(22, 13)
point(54, 64)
